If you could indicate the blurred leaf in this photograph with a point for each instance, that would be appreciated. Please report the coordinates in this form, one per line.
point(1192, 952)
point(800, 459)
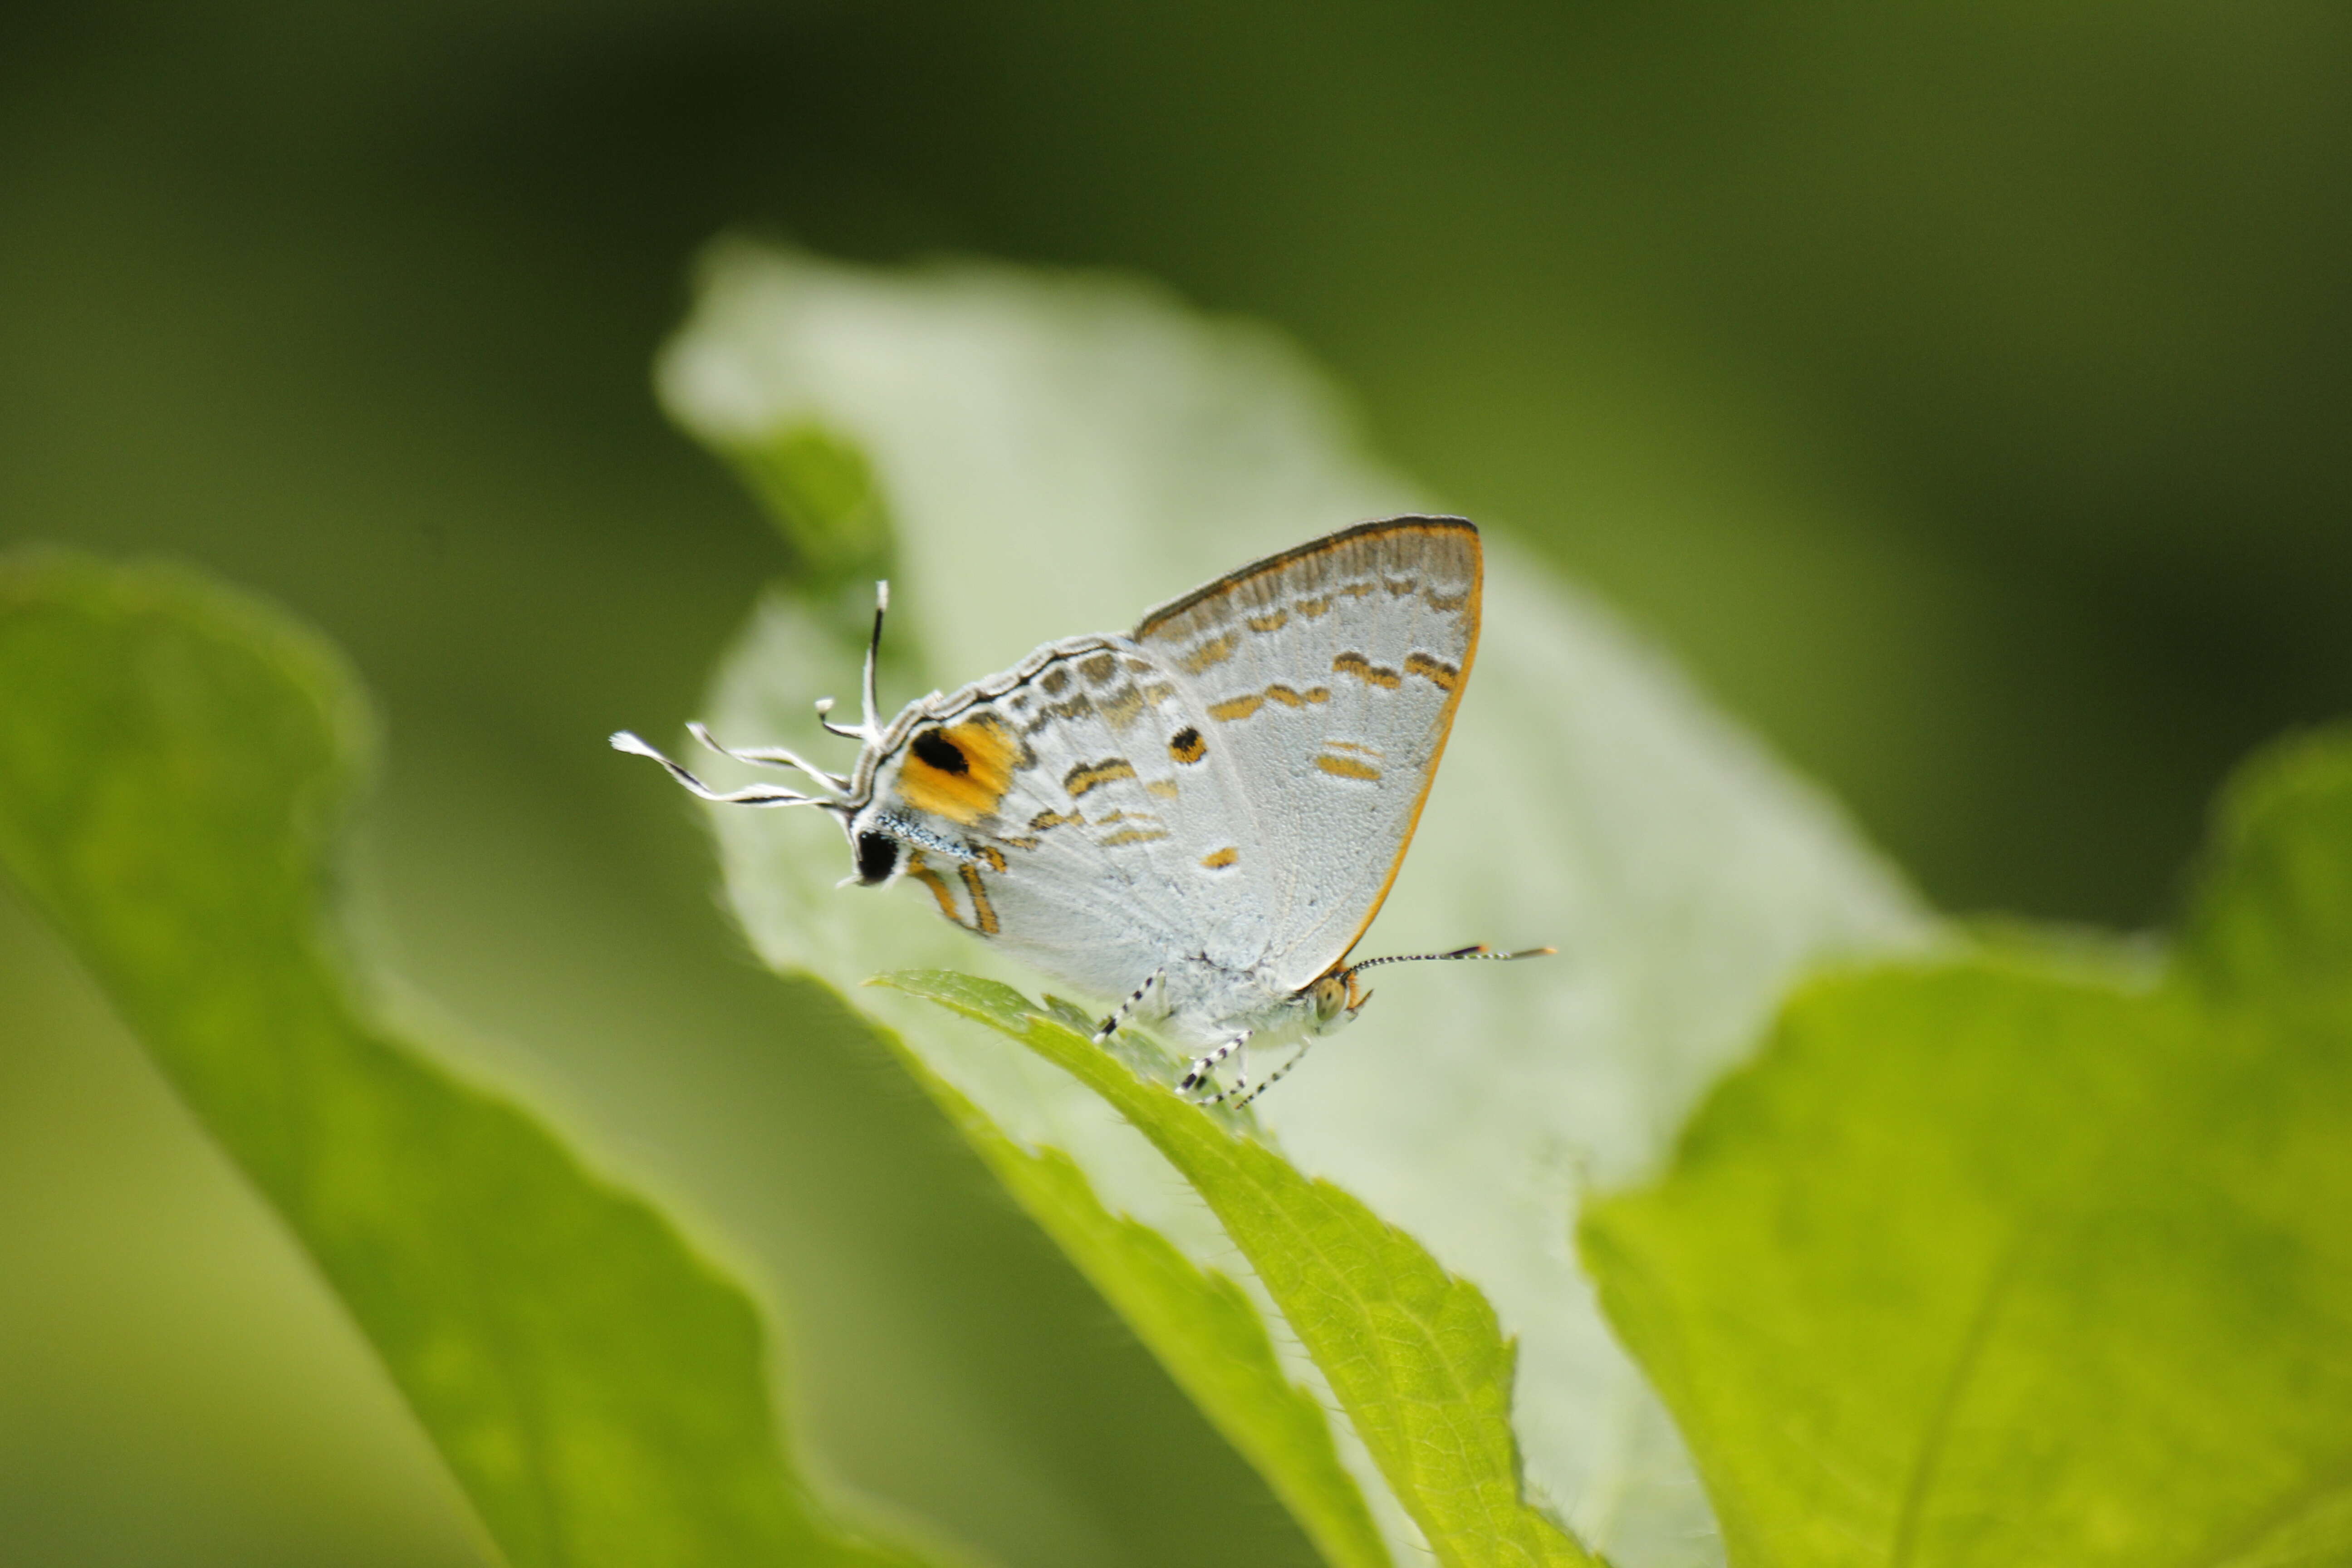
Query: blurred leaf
point(821, 490)
point(175, 764)
point(2002, 1260)
point(1057, 454)
point(1413, 1352)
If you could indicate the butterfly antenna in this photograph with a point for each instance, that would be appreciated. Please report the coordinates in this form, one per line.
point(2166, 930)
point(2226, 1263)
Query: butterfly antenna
point(757, 795)
point(1477, 950)
point(871, 730)
point(773, 757)
point(873, 658)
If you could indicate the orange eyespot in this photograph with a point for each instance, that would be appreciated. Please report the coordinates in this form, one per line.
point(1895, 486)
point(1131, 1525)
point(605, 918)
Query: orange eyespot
point(959, 772)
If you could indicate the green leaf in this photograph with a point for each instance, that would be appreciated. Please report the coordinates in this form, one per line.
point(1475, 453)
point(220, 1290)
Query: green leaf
point(1413, 1352)
point(821, 491)
point(2016, 1259)
point(176, 766)
point(1055, 454)
point(1199, 1322)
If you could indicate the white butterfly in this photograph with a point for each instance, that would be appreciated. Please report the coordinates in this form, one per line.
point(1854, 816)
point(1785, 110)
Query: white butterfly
point(1209, 810)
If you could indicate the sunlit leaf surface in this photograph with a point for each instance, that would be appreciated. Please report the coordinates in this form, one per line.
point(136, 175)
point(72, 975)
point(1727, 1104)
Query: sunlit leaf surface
point(174, 767)
point(2007, 1261)
point(1055, 455)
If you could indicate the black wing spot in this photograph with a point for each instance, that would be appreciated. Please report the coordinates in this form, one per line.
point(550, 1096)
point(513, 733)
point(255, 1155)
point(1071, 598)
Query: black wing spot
point(1185, 745)
point(934, 747)
point(877, 856)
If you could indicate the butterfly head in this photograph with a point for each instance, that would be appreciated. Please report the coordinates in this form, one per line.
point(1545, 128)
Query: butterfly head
point(877, 856)
point(1340, 995)
point(915, 784)
point(880, 837)
point(1334, 1000)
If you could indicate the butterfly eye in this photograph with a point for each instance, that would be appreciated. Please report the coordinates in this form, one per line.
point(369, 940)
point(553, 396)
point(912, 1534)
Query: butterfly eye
point(877, 856)
point(1330, 995)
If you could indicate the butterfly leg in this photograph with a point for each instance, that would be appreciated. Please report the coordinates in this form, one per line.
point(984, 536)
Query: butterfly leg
point(1276, 1077)
point(1117, 1020)
point(1198, 1072)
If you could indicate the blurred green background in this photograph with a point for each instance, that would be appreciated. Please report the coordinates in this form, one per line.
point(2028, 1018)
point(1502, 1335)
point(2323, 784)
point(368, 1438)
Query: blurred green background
point(1962, 395)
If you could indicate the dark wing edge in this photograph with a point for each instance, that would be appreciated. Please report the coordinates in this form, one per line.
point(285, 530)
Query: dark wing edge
point(1411, 522)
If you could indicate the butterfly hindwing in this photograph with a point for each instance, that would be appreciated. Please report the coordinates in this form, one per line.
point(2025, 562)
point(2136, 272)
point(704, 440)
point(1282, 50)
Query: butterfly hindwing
point(1081, 816)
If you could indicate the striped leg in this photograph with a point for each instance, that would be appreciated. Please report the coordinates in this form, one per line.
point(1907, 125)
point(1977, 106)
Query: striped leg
point(1198, 1073)
point(1117, 1020)
point(1276, 1077)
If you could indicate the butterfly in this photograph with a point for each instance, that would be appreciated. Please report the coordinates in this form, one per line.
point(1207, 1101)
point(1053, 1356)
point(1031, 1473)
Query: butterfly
point(1204, 814)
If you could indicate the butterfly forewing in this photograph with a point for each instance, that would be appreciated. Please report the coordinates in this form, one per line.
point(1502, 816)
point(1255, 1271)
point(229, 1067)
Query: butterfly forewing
point(1328, 676)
